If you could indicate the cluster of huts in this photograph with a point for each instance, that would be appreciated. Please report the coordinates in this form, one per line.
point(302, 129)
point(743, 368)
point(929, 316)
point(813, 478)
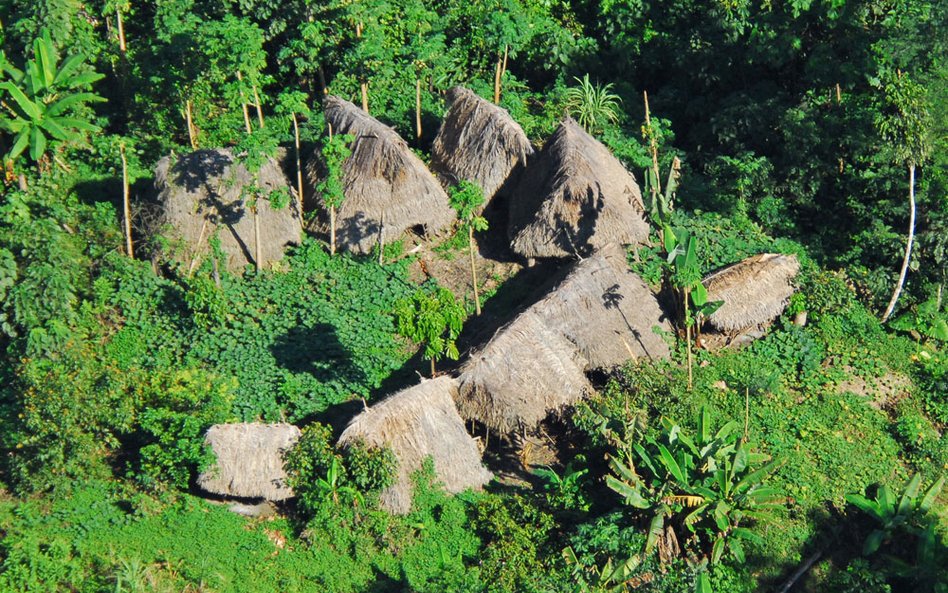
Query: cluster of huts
point(571, 200)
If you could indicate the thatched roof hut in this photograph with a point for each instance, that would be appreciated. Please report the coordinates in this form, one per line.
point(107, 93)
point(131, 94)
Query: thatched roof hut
point(598, 317)
point(755, 291)
point(249, 460)
point(480, 142)
point(574, 198)
point(387, 187)
point(416, 423)
point(204, 193)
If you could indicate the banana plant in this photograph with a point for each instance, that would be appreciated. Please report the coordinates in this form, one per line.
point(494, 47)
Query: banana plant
point(659, 205)
point(713, 485)
point(40, 102)
point(682, 257)
point(610, 577)
point(893, 512)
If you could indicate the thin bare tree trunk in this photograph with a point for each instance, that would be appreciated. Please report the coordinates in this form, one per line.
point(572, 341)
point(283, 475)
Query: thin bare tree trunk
point(256, 104)
point(688, 341)
point(908, 246)
point(243, 105)
point(503, 68)
point(322, 79)
point(432, 368)
point(121, 30)
point(497, 82)
point(257, 251)
point(363, 85)
point(332, 230)
point(381, 238)
point(418, 109)
point(129, 249)
point(477, 300)
point(192, 132)
point(299, 164)
point(653, 147)
point(21, 180)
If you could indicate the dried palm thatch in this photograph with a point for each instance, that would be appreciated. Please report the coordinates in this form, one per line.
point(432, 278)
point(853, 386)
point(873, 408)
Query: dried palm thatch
point(480, 142)
point(574, 198)
point(416, 423)
point(249, 460)
point(755, 291)
point(598, 317)
point(387, 188)
point(205, 193)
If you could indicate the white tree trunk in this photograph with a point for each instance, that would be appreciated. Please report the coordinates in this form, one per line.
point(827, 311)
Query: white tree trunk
point(908, 246)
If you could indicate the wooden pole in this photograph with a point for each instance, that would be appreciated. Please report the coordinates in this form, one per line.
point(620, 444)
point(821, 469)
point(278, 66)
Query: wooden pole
point(121, 30)
point(417, 109)
point(243, 104)
point(129, 248)
point(256, 99)
point(299, 165)
point(257, 255)
point(363, 85)
point(477, 300)
point(192, 131)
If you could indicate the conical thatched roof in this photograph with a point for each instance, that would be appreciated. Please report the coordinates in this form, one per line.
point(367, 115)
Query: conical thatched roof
point(574, 198)
point(201, 194)
point(598, 317)
point(755, 291)
point(249, 460)
point(415, 423)
point(480, 142)
point(386, 186)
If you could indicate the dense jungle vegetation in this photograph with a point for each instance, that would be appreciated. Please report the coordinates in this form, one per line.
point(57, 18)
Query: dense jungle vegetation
point(815, 456)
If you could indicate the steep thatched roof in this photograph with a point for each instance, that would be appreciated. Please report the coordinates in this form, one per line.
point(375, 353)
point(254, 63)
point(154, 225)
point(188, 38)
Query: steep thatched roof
point(574, 198)
point(755, 291)
point(249, 460)
point(416, 423)
point(598, 317)
point(478, 141)
point(386, 186)
point(201, 194)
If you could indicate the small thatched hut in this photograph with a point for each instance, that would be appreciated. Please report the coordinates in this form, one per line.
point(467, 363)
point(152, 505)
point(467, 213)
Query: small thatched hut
point(249, 460)
point(479, 141)
point(204, 193)
point(416, 423)
point(574, 198)
point(598, 317)
point(387, 188)
point(755, 291)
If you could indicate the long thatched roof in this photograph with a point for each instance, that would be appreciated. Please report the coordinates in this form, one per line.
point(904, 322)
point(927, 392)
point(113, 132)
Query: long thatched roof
point(598, 317)
point(478, 141)
point(416, 423)
point(755, 291)
point(574, 198)
point(386, 186)
point(204, 193)
point(249, 460)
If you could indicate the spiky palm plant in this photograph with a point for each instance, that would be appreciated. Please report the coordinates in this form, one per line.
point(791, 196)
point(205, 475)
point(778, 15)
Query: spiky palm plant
point(592, 105)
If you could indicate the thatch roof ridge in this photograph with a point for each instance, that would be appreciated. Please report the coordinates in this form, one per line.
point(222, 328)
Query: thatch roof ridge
point(478, 141)
point(755, 290)
point(387, 187)
point(607, 311)
point(574, 198)
point(249, 460)
point(522, 374)
point(597, 317)
point(416, 423)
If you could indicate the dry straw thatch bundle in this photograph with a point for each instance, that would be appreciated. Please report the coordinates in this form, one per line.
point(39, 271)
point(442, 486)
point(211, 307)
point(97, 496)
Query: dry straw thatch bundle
point(480, 142)
point(387, 188)
point(415, 423)
point(201, 194)
point(755, 291)
point(249, 460)
point(598, 317)
point(574, 198)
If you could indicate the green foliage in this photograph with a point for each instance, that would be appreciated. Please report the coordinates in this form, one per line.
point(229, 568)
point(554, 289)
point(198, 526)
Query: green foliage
point(565, 492)
point(334, 152)
point(433, 317)
point(593, 106)
point(467, 199)
point(45, 101)
point(712, 485)
point(323, 477)
point(893, 512)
